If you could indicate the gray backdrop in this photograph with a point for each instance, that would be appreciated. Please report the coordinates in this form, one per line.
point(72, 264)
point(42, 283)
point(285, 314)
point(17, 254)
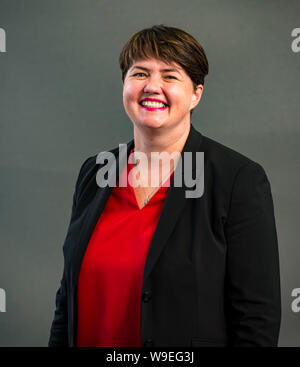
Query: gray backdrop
point(61, 101)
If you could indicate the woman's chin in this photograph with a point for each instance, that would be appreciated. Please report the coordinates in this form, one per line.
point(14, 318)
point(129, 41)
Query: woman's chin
point(150, 123)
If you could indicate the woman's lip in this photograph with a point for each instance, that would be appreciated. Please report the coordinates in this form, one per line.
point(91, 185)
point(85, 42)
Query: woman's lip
point(153, 108)
point(153, 100)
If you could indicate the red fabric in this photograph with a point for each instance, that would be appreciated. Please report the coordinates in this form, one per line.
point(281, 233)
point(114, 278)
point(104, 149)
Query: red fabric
point(110, 279)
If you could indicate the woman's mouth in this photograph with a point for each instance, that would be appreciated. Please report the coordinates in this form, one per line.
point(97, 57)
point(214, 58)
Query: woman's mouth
point(153, 106)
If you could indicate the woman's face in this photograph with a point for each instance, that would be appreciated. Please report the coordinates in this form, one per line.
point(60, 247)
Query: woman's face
point(170, 84)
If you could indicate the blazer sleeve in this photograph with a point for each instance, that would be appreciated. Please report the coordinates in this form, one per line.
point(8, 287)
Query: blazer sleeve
point(59, 327)
point(252, 282)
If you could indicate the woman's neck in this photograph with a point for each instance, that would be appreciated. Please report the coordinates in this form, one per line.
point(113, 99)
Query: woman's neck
point(160, 140)
point(149, 140)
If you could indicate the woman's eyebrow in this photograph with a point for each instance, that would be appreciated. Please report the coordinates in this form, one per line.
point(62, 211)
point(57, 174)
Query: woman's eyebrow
point(162, 70)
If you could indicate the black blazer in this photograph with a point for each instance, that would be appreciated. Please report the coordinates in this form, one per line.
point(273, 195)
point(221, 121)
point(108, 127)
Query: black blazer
point(212, 271)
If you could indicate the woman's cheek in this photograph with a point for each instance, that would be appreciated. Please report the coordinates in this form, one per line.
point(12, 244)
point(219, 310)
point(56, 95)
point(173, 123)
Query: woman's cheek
point(131, 94)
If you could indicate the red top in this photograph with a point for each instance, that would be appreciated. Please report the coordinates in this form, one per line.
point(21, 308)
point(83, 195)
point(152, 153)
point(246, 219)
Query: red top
point(111, 274)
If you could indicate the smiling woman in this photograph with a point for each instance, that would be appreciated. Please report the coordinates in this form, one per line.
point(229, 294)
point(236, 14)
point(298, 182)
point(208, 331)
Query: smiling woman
point(148, 266)
point(169, 93)
point(182, 57)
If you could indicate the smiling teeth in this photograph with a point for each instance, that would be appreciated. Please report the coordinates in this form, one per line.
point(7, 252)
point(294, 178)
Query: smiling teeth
point(153, 104)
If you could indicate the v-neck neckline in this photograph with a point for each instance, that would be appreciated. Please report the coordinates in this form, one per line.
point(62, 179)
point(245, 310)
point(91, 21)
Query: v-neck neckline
point(132, 191)
point(135, 198)
point(150, 201)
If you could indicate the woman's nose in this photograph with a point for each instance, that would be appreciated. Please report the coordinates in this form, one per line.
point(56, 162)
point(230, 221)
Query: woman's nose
point(153, 84)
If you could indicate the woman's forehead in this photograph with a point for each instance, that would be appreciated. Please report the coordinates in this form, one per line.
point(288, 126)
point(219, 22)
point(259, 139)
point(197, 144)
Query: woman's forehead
point(152, 62)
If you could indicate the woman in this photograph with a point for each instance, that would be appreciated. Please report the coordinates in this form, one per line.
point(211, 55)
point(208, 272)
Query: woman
point(146, 265)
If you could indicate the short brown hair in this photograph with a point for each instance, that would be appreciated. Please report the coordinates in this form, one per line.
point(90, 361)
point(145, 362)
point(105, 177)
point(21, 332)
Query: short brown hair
point(168, 44)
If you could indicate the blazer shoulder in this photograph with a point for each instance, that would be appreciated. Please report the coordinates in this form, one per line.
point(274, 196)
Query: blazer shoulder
point(88, 171)
point(226, 164)
point(222, 155)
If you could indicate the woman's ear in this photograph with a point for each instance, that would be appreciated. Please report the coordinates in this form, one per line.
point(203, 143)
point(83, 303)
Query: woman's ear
point(197, 95)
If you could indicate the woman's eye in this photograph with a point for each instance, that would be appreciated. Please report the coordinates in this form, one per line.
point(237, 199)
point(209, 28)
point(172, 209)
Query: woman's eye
point(139, 74)
point(143, 74)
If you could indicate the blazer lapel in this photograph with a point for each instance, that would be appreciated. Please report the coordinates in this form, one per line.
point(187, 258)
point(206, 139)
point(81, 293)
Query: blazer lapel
point(96, 208)
point(173, 205)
